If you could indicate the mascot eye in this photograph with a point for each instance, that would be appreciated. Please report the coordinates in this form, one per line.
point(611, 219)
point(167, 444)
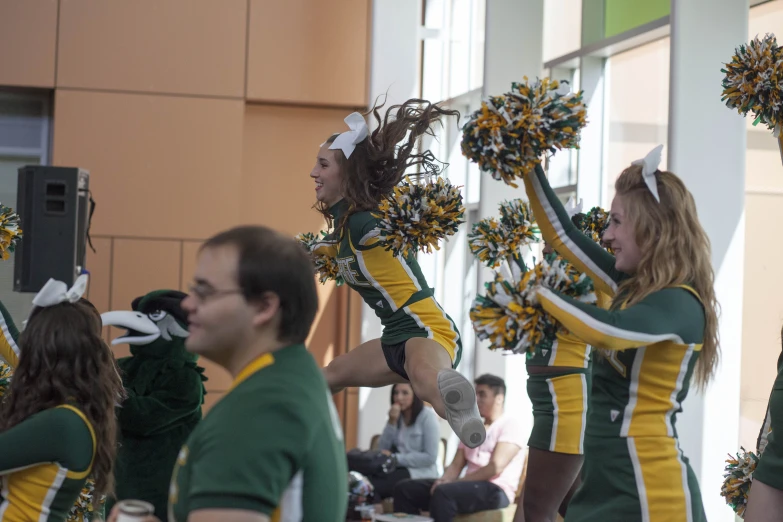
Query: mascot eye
point(157, 316)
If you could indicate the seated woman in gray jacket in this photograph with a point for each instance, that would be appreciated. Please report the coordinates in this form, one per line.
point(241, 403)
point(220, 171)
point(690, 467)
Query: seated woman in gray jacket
point(411, 435)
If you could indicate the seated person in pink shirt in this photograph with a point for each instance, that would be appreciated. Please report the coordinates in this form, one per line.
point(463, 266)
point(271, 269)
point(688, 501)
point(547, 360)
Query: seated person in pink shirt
point(493, 468)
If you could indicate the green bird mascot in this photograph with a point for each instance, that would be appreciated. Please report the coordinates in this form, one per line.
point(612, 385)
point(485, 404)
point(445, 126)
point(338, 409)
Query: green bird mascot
point(165, 388)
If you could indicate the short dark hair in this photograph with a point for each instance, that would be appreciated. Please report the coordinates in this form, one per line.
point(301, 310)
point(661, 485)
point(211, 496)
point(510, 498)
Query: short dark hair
point(495, 383)
point(272, 262)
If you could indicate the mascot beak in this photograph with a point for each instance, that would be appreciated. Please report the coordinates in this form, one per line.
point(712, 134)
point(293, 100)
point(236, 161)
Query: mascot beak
point(141, 329)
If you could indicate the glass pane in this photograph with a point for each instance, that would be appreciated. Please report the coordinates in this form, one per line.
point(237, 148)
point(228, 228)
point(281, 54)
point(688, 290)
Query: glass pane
point(22, 122)
point(432, 70)
point(434, 12)
point(460, 50)
point(763, 211)
point(562, 27)
point(477, 44)
point(763, 167)
point(637, 110)
point(18, 305)
point(562, 168)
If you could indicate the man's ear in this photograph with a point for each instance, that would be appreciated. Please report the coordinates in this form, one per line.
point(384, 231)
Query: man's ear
point(266, 308)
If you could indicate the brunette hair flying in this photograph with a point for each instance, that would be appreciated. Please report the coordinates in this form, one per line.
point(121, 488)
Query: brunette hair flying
point(379, 162)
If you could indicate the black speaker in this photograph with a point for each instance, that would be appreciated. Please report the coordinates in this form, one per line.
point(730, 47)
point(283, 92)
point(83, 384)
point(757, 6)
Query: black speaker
point(53, 204)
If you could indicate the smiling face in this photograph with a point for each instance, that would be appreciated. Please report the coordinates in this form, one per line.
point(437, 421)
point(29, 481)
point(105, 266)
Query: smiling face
point(621, 237)
point(327, 177)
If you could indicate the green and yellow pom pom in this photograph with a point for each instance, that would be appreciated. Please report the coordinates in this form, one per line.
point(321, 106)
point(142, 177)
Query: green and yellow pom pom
point(84, 509)
point(10, 232)
point(593, 225)
point(492, 241)
point(418, 215)
point(5, 378)
point(508, 135)
point(738, 477)
point(325, 265)
point(510, 315)
point(754, 79)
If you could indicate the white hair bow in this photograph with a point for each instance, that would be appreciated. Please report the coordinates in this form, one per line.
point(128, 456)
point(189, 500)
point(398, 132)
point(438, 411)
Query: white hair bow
point(572, 207)
point(348, 140)
point(55, 292)
point(649, 166)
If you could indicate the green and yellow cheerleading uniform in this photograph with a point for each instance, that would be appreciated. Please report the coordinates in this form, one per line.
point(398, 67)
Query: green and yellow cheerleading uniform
point(45, 462)
point(393, 286)
point(560, 396)
point(272, 445)
point(770, 467)
point(634, 469)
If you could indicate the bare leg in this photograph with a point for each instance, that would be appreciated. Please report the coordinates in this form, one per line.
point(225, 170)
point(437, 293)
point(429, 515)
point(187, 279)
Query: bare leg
point(365, 365)
point(452, 396)
point(564, 504)
point(550, 478)
point(765, 503)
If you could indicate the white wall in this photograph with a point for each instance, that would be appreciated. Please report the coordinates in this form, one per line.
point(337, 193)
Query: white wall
point(700, 125)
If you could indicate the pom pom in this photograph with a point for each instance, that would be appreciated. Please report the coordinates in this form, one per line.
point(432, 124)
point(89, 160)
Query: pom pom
point(5, 378)
point(418, 215)
point(10, 233)
point(508, 135)
point(325, 265)
point(511, 317)
point(738, 477)
point(594, 224)
point(84, 510)
point(753, 81)
point(492, 241)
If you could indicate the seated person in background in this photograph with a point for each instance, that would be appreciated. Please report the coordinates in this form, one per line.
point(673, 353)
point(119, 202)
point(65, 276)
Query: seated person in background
point(412, 436)
point(493, 469)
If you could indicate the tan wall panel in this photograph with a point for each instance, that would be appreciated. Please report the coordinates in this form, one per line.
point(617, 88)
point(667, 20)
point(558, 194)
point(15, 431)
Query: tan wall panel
point(99, 266)
point(160, 166)
point(762, 314)
point(309, 52)
point(176, 46)
point(351, 418)
point(280, 148)
point(189, 259)
point(326, 336)
point(141, 266)
point(27, 38)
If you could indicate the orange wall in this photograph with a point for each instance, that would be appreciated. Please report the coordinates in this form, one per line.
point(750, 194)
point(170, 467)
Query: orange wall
point(193, 116)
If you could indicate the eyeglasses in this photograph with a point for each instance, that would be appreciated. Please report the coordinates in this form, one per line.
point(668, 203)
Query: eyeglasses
point(204, 293)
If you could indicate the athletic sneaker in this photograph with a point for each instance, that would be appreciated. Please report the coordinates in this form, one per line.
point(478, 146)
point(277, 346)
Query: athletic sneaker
point(459, 397)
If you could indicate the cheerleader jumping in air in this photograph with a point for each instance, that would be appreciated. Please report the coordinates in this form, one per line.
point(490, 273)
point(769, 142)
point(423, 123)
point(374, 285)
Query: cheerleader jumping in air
point(355, 173)
point(659, 331)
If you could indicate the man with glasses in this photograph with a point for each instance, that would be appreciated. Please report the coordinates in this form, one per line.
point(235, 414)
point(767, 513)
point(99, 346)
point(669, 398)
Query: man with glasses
point(272, 448)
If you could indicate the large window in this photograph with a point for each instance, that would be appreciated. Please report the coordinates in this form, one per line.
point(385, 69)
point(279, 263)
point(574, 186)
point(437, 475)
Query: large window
point(637, 102)
point(763, 316)
point(562, 27)
point(453, 47)
point(24, 140)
